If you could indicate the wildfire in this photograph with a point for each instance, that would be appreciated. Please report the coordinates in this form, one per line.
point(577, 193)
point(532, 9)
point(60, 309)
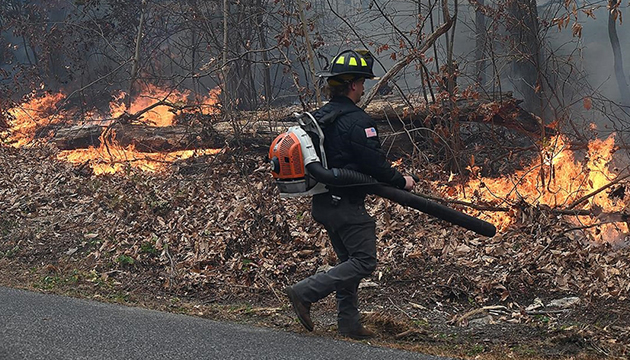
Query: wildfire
point(162, 115)
point(556, 179)
point(34, 114)
point(110, 157)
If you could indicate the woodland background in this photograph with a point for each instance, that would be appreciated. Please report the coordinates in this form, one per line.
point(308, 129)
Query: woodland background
point(469, 90)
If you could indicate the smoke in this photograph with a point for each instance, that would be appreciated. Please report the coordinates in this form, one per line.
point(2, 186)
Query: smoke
point(388, 29)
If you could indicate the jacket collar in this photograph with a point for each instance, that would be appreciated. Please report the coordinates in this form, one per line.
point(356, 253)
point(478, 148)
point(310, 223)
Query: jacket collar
point(342, 99)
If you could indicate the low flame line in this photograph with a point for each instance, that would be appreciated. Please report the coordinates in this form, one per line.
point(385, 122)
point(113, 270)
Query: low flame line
point(590, 195)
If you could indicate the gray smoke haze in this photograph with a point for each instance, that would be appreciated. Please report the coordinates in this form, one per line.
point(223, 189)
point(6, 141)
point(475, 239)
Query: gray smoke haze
point(385, 27)
point(584, 65)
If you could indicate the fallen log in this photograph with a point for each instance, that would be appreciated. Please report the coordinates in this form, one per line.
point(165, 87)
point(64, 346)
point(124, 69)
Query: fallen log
point(168, 138)
point(505, 113)
point(144, 138)
point(496, 109)
point(77, 137)
point(493, 109)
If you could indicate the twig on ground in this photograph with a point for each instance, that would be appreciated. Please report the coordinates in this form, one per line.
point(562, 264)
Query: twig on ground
point(401, 310)
point(460, 320)
point(572, 212)
point(272, 289)
point(409, 333)
point(546, 312)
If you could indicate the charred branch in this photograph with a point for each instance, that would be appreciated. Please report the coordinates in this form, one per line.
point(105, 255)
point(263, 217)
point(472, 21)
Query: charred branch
point(597, 191)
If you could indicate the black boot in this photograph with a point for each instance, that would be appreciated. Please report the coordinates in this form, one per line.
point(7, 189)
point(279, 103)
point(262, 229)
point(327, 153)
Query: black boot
point(302, 309)
point(359, 333)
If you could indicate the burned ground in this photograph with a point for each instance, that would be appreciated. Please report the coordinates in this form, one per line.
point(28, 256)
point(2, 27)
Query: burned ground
point(212, 238)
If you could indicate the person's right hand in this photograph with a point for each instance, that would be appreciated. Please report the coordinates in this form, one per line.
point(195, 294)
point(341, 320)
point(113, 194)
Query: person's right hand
point(409, 182)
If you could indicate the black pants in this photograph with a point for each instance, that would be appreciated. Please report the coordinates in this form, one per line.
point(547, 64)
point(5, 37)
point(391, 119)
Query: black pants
point(353, 236)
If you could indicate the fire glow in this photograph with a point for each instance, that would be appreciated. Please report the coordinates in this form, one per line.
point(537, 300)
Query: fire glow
point(557, 180)
point(34, 114)
point(109, 157)
point(161, 115)
point(112, 158)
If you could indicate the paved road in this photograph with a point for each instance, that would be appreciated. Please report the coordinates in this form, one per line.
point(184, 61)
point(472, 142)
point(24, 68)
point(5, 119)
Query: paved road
point(39, 326)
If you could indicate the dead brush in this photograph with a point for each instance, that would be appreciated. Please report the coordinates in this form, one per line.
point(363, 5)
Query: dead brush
point(388, 325)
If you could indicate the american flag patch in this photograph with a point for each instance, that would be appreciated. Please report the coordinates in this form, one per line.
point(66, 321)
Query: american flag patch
point(370, 132)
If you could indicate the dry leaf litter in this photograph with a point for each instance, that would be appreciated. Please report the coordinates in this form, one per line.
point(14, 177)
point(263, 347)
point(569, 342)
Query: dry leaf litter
point(215, 229)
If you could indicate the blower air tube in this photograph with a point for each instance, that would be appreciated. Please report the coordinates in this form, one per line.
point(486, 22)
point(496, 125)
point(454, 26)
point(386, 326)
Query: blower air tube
point(340, 177)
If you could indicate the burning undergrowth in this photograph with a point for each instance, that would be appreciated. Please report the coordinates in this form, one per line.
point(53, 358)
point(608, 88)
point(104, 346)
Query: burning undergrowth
point(589, 191)
point(555, 179)
point(39, 117)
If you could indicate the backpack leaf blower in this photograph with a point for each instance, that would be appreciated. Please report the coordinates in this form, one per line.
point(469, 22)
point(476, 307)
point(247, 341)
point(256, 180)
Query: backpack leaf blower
point(299, 169)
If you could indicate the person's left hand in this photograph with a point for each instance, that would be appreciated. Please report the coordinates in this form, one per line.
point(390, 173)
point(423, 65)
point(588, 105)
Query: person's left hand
point(409, 182)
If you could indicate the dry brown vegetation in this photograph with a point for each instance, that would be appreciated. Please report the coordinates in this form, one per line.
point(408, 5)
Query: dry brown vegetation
point(213, 239)
point(209, 236)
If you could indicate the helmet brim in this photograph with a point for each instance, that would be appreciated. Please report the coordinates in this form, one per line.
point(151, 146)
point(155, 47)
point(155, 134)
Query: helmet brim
point(328, 74)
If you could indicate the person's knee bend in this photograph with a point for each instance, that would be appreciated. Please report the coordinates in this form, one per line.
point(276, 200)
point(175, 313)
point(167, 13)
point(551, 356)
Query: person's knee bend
point(368, 265)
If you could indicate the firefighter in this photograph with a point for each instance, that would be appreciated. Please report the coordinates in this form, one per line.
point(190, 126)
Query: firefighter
point(351, 142)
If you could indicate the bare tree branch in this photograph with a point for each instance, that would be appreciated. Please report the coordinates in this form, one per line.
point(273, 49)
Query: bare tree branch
point(412, 56)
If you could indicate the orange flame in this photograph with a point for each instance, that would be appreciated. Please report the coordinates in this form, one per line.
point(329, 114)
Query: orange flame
point(32, 115)
point(556, 180)
point(110, 157)
point(162, 115)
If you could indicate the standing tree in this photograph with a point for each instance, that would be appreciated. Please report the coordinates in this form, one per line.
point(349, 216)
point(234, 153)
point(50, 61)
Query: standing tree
point(614, 14)
point(480, 42)
point(526, 48)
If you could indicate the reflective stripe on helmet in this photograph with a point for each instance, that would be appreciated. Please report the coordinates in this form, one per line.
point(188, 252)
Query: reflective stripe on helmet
point(356, 63)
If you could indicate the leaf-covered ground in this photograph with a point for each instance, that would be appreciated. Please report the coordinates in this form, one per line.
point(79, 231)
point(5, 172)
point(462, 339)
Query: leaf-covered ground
point(212, 238)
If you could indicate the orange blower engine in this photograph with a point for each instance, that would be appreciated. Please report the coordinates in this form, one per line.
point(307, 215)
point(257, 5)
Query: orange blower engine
point(290, 154)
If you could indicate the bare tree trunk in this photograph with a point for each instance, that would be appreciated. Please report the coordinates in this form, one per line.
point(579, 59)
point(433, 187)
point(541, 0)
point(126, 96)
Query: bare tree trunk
point(136, 57)
point(450, 44)
point(425, 78)
point(226, 14)
point(229, 76)
point(193, 58)
point(309, 53)
point(616, 47)
point(524, 31)
point(27, 45)
point(435, 53)
point(452, 123)
point(262, 38)
point(480, 29)
point(225, 67)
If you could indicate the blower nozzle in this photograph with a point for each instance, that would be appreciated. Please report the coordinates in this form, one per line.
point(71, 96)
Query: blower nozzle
point(345, 177)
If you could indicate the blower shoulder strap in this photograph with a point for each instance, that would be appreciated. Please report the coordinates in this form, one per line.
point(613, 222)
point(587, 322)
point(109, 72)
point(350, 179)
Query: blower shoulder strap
point(311, 126)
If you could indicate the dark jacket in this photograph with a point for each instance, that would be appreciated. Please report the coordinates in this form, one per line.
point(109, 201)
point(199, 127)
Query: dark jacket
point(351, 142)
